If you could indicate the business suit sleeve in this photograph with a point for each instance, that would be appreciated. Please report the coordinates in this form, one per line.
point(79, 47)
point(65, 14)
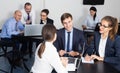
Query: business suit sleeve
point(57, 42)
point(116, 58)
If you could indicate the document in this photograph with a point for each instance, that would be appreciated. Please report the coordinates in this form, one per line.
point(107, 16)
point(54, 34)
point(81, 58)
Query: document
point(84, 61)
point(71, 67)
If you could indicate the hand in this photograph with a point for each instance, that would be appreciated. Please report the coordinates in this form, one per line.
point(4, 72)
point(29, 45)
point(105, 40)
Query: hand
point(28, 21)
point(73, 53)
point(88, 58)
point(62, 52)
point(97, 57)
point(64, 61)
point(21, 32)
point(84, 27)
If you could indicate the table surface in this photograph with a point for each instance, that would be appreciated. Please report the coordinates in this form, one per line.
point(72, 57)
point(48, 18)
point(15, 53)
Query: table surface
point(97, 67)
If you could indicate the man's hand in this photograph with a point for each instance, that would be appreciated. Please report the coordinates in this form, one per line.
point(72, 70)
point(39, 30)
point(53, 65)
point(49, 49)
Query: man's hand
point(62, 52)
point(28, 21)
point(21, 32)
point(73, 53)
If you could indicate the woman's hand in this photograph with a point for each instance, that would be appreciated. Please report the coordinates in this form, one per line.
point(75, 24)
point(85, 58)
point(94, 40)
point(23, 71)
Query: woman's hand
point(64, 61)
point(97, 57)
point(88, 58)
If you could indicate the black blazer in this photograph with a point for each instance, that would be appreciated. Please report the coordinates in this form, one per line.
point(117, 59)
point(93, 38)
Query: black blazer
point(112, 49)
point(78, 39)
point(49, 21)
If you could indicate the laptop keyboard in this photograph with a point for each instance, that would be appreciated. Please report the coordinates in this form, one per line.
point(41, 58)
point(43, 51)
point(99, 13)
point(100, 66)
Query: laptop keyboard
point(71, 60)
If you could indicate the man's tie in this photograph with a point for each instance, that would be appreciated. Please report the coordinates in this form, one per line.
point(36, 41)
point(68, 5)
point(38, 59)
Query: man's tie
point(16, 27)
point(28, 18)
point(68, 42)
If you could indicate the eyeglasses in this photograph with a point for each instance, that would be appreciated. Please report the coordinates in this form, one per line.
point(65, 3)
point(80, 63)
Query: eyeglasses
point(103, 25)
point(43, 15)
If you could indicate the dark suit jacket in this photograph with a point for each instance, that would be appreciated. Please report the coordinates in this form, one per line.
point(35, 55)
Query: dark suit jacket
point(112, 49)
point(78, 39)
point(49, 21)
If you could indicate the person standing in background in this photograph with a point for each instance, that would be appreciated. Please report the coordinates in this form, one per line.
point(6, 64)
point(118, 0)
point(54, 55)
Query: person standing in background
point(28, 14)
point(44, 17)
point(91, 20)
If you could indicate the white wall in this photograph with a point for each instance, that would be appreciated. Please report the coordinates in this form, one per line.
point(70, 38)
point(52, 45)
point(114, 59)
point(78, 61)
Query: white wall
point(58, 7)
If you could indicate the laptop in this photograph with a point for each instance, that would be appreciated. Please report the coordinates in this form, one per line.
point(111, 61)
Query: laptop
point(33, 30)
point(72, 64)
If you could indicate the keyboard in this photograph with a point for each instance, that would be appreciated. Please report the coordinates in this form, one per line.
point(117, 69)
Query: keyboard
point(71, 64)
point(71, 60)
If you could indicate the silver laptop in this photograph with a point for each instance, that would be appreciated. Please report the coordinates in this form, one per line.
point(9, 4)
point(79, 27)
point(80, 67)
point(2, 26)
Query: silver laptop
point(72, 63)
point(33, 30)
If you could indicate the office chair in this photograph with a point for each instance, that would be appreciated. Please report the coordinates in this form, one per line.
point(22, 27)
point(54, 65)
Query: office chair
point(4, 45)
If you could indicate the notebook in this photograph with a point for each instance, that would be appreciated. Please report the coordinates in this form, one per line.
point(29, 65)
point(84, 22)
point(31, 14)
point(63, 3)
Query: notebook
point(33, 30)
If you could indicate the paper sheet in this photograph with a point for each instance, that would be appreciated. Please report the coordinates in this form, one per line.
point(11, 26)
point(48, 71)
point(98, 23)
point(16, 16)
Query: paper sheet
point(84, 61)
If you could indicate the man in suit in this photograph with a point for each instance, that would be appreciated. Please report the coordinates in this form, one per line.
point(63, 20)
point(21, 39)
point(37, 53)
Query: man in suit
point(69, 38)
point(44, 17)
point(28, 14)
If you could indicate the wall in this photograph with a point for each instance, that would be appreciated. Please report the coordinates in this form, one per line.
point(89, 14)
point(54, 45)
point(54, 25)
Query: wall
point(58, 7)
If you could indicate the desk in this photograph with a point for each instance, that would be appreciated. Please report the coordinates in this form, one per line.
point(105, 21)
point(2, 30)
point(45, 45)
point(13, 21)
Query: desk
point(97, 67)
point(24, 40)
point(29, 40)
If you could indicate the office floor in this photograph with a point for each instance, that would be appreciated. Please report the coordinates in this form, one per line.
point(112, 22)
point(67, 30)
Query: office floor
point(4, 64)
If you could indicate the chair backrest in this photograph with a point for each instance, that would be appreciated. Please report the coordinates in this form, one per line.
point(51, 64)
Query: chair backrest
point(97, 27)
point(118, 29)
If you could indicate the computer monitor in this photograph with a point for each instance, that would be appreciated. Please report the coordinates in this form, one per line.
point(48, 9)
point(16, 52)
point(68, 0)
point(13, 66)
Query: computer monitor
point(33, 30)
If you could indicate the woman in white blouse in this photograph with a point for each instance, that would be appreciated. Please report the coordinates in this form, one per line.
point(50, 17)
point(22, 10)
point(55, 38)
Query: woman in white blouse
point(46, 55)
point(91, 20)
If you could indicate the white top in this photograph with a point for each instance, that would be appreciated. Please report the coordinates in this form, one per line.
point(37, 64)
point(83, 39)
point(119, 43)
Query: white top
point(25, 15)
point(50, 59)
point(90, 23)
point(102, 46)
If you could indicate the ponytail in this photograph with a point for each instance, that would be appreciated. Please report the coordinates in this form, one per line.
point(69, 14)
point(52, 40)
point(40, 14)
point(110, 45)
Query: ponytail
point(41, 49)
point(94, 17)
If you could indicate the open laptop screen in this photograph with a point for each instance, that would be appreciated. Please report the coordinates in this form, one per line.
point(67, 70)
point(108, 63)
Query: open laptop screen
point(33, 30)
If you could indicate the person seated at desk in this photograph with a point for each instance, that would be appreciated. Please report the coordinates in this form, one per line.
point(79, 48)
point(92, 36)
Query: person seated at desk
point(91, 20)
point(44, 17)
point(90, 23)
point(106, 45)
point(69, 38)
point(12, 26)
point(28, 14)
point(46, 55)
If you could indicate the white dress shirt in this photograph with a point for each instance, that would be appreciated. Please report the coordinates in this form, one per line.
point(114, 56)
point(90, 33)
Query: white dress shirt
point(102, 46)
point(50, 59)
point(90, 23)
point(25, 16)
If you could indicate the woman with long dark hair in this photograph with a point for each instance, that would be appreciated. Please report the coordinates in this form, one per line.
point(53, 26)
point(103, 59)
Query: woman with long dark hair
point(91, 20)
point(46, 56)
